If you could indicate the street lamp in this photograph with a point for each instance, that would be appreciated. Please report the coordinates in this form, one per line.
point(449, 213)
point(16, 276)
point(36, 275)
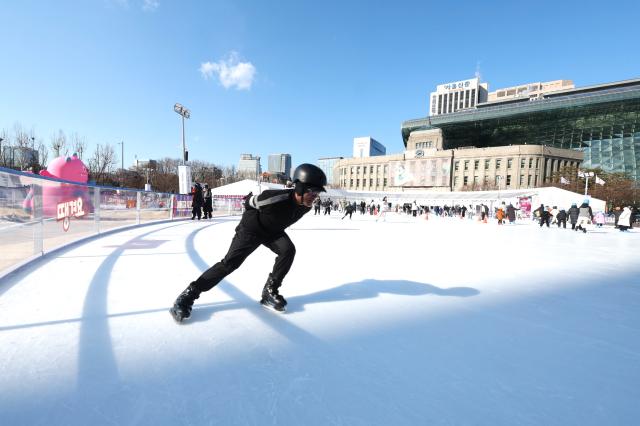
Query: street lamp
point(121, 143)
point(184, 113)
point(586, 175)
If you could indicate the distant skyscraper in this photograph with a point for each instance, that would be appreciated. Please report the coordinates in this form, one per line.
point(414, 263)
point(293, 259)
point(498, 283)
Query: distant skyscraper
point(327, 164)
point(367, 147)
point(280, 164)
point(249, 166)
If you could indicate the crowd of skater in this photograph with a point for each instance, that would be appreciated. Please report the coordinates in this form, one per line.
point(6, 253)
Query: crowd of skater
point(578, 217)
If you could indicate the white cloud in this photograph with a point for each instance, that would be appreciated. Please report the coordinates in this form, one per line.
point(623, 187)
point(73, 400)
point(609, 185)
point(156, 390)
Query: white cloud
point(150, 5)
point(230, 72)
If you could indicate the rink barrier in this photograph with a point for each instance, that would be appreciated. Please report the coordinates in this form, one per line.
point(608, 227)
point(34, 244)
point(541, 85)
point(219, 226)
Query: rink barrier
point(40, 215)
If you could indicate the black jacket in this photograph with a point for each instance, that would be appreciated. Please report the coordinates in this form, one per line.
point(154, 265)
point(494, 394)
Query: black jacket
point(272, 219)
point(562, 215)
point(573, 214)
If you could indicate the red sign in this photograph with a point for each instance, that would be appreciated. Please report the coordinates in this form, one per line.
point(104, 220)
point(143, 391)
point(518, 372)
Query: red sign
point(68, 209)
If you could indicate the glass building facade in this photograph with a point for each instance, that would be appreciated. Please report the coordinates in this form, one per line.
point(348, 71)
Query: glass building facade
point(601, 121)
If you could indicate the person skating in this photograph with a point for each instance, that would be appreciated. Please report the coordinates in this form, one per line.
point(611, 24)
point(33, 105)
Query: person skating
point(197, 201)
point(561, 218)
point(624, 222)
point(544, 215)
point(511, 213)
point(573, 213)
point(585, 216)
point(349, 209)
point(263, 223)
point(208, 202)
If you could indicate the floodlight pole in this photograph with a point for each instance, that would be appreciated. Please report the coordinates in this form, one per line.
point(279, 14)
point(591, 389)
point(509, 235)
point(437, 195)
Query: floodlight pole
point(586, 183)
point(184, 148)
point(184, 113)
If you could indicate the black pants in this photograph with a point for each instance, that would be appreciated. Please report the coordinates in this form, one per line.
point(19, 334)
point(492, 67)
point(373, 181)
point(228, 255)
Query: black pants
point(242, 245)
point(196, 211)
point(562, 222)
point(350, 212)
point(544, 220)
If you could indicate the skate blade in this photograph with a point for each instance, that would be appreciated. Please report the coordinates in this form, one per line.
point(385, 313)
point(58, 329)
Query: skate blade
point(177, 316)
point(273, 308)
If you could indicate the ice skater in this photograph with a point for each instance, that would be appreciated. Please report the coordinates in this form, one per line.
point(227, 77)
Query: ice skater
point(263, 223)
point(384, 209)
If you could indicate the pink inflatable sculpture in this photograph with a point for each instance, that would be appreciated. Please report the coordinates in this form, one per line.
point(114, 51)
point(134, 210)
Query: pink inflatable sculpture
point(63, 198)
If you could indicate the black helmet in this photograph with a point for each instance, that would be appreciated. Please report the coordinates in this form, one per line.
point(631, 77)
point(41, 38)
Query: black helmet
point(309, 177)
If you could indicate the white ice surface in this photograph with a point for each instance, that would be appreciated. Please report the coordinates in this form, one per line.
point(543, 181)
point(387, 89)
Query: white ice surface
point(407, 322)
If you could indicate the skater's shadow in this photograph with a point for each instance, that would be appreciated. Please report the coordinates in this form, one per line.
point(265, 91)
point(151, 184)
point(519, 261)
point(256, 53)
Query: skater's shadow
point(366, 289)
point(369, 288)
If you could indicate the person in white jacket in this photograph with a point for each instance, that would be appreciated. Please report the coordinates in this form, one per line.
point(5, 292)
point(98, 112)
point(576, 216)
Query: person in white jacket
point(624, 221)
point(384, 209)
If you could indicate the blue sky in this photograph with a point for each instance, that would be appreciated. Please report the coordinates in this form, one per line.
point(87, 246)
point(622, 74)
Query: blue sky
point(301, 77)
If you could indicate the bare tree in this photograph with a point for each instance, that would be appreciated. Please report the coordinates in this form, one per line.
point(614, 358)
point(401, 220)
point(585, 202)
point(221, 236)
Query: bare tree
point(79, 144)
point(59, 144)
point(20, 136)
point(43, 153)
point(5, 143)
point(102, 162)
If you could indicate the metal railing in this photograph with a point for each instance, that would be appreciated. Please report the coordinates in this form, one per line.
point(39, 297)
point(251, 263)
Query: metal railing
point(39, 214)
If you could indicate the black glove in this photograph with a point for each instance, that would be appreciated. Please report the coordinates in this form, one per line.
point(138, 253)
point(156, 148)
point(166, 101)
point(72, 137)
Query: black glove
point(246, 199)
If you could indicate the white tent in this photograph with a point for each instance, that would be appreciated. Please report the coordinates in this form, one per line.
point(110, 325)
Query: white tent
point(244, 187)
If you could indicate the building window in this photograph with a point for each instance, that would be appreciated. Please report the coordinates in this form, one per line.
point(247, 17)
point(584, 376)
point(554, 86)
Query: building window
point(350, 183)
point(439, 104)
point(466, 165)
point(456, 180)
point(498, 181)
point(498, 161)
point(537, 164)
point(351, 169)
point(370, 169)
point(535, 182)
point(487, 164)
point(476, 164)
point(370, 182)
point(377, 182)
point(466, 181)
point(456, 166)
point(529, 180)
point(522, 163)
point(508, 180)
point(486, 180)
point(509, 163)
point(358, 170)
point(385, 172)
point(357, 183)
point(530, 162)
point(384, 184)
point(476, 180)
point(521, 180)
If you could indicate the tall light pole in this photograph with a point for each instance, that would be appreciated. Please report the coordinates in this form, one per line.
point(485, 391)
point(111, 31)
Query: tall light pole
point(33, 160)
point(184, 113)
point(121, 143)
point(587, 175)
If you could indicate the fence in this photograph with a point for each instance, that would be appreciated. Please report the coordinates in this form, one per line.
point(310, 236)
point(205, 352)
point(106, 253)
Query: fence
point(39, 214)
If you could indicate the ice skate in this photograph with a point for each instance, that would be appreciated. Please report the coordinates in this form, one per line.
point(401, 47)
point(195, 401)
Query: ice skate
point(271, 299)
point(181, 309)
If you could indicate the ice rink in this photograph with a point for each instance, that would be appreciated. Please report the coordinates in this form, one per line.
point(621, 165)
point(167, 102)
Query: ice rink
point(403, 322)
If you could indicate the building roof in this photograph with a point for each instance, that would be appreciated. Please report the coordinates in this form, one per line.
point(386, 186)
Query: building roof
point(581, 96)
